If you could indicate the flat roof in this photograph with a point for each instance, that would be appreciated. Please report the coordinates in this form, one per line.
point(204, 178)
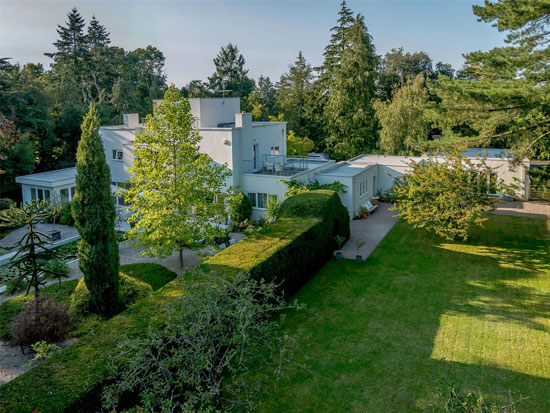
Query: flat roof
point(347, 168)
point(487, 153)
point(48, 178)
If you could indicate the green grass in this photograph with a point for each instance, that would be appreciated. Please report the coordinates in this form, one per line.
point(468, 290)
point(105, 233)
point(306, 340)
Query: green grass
point(422, 315)
point(153, 274)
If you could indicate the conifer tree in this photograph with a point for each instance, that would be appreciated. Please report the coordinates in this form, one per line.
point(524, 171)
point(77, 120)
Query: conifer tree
point(292, 90)
point(352, 125)
point(94, 213)
point(231, 74)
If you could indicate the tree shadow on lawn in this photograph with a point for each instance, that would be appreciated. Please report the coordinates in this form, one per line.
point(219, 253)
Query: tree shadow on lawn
point(422, 315)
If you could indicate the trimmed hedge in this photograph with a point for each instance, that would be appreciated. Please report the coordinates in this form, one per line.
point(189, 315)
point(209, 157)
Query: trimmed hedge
point(288, 252)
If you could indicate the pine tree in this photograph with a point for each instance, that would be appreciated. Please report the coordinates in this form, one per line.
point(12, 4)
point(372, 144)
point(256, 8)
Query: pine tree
point(502, 94)
point(100, 65)
point(292, 90)
point(352, 126)
point(94, 213)
point(230, 74)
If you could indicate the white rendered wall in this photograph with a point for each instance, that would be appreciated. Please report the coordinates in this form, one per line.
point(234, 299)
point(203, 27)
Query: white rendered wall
point(118, 139)
point(210, 112)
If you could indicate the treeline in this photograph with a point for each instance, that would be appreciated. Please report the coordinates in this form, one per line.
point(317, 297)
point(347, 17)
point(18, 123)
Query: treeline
point(356, 102)
point(330, 106)
point(41, 110)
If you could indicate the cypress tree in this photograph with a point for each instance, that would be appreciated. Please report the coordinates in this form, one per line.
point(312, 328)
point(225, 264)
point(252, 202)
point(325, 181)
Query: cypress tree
point(94, 213)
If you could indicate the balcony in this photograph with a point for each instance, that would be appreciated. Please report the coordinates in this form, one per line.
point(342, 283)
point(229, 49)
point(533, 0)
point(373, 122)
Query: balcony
point(280, 165)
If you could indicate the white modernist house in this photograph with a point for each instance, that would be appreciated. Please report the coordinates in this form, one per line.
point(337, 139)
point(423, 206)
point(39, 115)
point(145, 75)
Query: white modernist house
point(255, 152)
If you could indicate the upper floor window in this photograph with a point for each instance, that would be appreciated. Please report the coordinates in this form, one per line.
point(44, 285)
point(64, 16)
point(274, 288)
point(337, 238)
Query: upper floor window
point(117, 154)
point(274, 150)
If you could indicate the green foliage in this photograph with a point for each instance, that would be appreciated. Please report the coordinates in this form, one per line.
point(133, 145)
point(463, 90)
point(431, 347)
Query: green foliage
point(403, 127)
point(292, 92)
point(352, 126)
point(42, 351)
point(153, 274)
point(296, 146)
point(502, 94)
point(66, 215)
point(230, 74)
point(291, 248)
point(297, 187)
point(447, 195)
point(262, 100)
point(540, 178)
point(177, 191)
point(397, 67)
point(470, 402)
point(272, 212)
point(94, 212)
point(6, 203)
point(211, 338)
point(240, 207)
point(30, 268)
point(131, 291)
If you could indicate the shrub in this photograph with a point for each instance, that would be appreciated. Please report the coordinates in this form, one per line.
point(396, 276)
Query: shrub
point(60, 292)
point(212, 337)
point(131, 290)
point(66, 215)
point(289, 251)
point(5, 203)
point(240, 207)
point(42, 319)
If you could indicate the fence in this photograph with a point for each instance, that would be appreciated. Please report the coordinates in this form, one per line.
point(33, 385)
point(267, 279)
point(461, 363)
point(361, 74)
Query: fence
point(540, 195)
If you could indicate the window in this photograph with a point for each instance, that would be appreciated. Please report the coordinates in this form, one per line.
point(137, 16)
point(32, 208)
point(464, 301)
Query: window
point(117, 154)
point(274, 150)
point(273, 197)
point(114, 153)
point(40, 194)
point(252, 197)
point(72, 192)
point(262, 200)
point(64, 195)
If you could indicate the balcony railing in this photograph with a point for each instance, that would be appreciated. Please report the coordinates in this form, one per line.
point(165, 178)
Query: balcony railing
point(279, 165)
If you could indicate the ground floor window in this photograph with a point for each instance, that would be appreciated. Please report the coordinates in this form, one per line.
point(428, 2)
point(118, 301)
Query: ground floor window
point(259, 200)
point(40, 194)
point(66, 195)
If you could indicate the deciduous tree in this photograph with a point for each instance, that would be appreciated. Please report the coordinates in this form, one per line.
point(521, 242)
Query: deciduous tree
point(447, 195)
point(177, 191)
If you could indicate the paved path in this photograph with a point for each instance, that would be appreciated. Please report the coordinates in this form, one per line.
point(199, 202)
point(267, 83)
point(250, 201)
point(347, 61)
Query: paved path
point(530, 209)
point(369, 232)
point(9, 240)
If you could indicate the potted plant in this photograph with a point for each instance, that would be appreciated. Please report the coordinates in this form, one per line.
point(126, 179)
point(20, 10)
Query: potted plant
point(358, 245)
point(340, 241)
point(54, 234)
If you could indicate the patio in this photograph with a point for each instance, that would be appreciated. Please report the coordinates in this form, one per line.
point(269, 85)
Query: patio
point(366, 234)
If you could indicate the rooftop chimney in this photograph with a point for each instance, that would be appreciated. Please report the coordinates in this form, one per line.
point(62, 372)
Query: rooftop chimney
point(130, 120)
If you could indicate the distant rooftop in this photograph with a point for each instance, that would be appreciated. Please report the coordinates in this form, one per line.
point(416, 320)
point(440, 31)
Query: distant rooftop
point(486, 153)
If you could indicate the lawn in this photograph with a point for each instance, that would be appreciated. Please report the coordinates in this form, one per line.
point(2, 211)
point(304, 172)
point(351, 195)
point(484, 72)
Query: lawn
point(422, 315)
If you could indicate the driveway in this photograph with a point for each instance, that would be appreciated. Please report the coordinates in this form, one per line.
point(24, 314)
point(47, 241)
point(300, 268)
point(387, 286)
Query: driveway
point(366, 234)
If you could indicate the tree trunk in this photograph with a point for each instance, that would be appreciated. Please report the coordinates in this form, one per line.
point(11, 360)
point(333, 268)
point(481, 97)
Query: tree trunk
point(181, 259)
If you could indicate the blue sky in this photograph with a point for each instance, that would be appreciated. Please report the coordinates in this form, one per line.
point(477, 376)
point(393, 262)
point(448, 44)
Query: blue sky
point(269, 33)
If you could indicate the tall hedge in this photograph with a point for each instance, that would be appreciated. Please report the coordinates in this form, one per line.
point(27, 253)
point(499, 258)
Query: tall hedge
point(94, 214)
point(288, 252)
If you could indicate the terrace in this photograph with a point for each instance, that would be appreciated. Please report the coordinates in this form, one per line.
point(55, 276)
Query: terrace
point(281, 165)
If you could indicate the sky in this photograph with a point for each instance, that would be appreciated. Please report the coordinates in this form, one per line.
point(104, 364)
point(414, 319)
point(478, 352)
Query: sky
point(269, 33)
